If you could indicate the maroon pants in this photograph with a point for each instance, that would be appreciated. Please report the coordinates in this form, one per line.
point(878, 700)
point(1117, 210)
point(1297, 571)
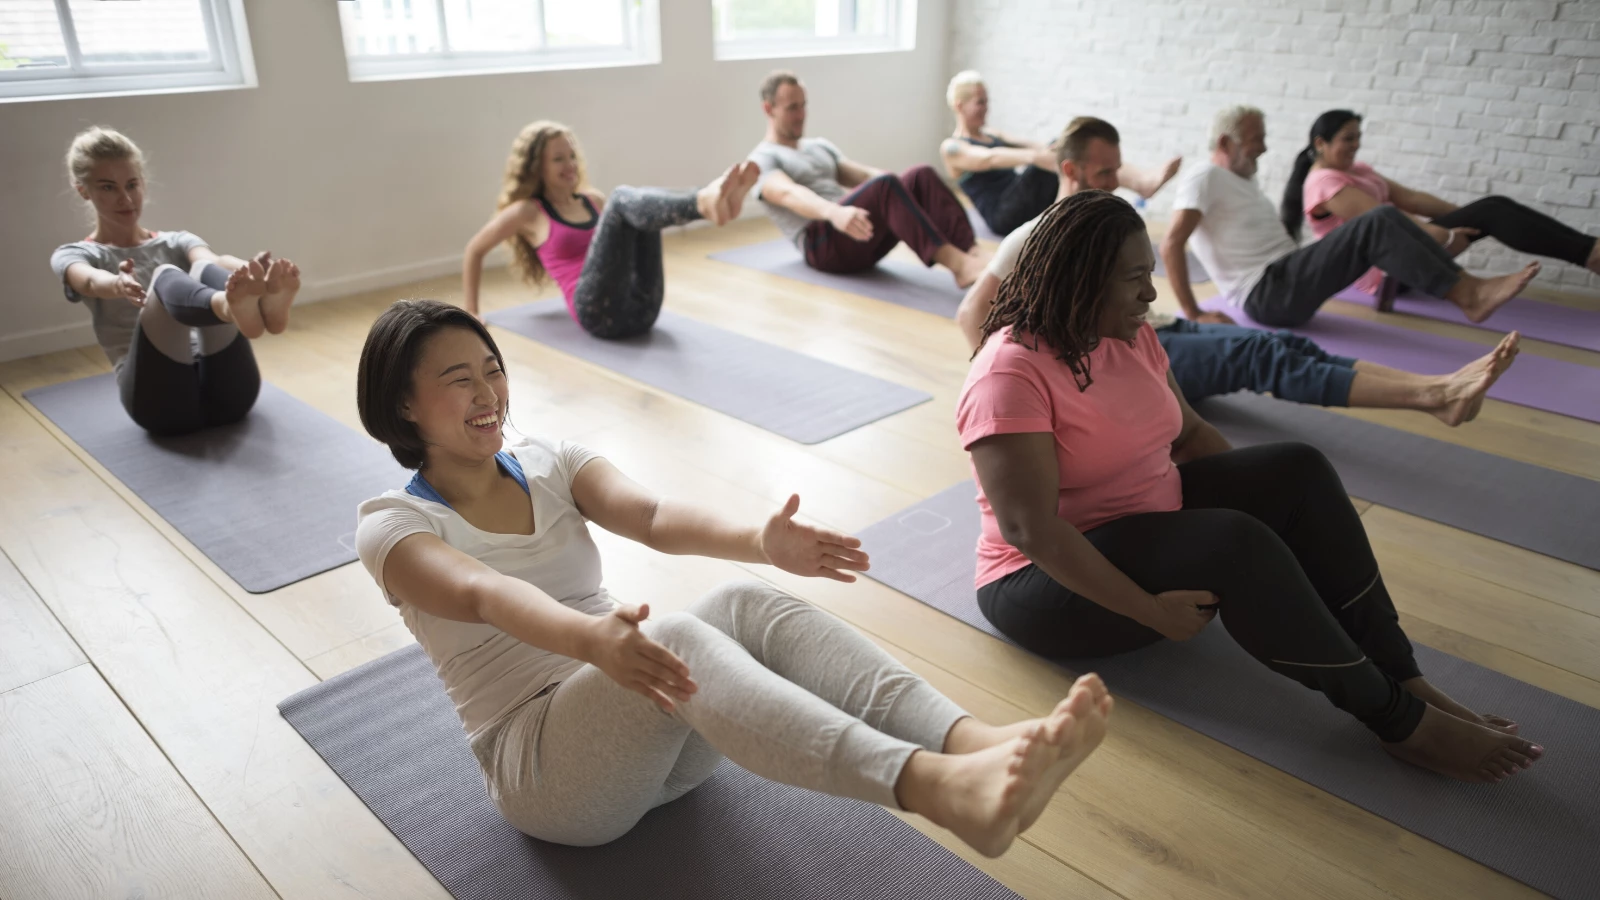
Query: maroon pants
point(914, 207)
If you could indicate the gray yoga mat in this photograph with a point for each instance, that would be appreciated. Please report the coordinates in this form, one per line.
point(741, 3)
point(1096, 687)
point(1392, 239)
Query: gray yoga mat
point(800, 397)
point(893, 281)
point(270, 500)
point(390, 731)
point(1527, 506)
point(1541, 827)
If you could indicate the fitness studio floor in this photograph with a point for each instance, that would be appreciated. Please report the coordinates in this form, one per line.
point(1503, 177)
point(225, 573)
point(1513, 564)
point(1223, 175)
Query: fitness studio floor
point(138, 683)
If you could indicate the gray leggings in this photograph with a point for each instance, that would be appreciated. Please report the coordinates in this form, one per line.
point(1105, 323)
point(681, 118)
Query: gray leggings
point(620, 290)
point(186, 369)
point(786, 690)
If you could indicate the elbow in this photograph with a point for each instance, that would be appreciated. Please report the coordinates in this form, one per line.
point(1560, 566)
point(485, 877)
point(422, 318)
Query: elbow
point(1019, 533)
point(479, 596)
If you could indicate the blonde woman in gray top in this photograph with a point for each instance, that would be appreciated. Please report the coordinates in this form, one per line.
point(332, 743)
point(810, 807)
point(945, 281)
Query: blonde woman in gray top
point(584, 712)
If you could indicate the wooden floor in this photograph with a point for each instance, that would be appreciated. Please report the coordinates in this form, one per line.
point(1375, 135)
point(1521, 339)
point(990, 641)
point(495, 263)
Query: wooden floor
point(143, 754)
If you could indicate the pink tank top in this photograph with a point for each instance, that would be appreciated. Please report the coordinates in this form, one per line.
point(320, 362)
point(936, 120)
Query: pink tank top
point(563, 252)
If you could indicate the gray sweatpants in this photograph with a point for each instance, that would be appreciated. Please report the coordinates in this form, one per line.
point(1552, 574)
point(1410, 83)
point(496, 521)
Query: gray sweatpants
point(786, 690)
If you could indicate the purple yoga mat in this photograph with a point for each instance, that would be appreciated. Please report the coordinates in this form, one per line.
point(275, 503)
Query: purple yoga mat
point(1534, 381)
point(1534, 318)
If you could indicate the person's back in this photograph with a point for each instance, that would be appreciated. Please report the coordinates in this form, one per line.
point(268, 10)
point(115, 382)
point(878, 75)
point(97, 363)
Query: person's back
point(813, 165)
point(1239, 234)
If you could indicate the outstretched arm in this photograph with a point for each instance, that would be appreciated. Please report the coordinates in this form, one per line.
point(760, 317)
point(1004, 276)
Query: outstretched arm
point(975, 307)
point(1145, 182)
point(622, 506)
point(779, 189)
point(1350, 202)
point(961, 156)
point(1418, 203)
point(854, 174)
point(1175, 253)
point(503, 227)
point(224, 260)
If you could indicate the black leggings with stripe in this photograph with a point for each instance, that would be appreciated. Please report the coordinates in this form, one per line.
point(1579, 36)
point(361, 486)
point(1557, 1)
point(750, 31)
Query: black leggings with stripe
point(1269, 530)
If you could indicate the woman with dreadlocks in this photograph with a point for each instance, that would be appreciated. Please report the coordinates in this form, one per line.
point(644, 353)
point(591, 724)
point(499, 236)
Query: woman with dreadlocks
point(1115, 517)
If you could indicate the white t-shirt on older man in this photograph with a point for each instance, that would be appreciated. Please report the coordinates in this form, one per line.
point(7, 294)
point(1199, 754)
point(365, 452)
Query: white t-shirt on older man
point(487, 672)
point(1239, 233)
point(1004, 262)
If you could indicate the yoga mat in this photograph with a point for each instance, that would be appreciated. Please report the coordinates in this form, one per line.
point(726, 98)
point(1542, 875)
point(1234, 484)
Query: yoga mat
point(1535, 381)
point(1541, 826)
point(271, 499)
point(893, 281)
point(390, 731)
point(1534, 318)
point(980, 228)
point(788, 393)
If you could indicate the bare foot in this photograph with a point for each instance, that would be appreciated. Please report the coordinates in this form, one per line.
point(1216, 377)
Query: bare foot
point(1461, 750)
point(1422, 690)
point(969, 735)
point(970, 268)
point(1072, 732)
point(1464, 391)
point(981, 796)
point(736, 187)
point(245, 286)
point(283, 282)
point(1485, 295)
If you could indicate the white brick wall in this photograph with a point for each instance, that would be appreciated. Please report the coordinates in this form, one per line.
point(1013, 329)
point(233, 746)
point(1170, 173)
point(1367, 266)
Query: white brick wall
point(1461, 97)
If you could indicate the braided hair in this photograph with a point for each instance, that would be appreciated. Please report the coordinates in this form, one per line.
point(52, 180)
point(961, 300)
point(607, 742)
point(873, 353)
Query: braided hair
point(1055, 294)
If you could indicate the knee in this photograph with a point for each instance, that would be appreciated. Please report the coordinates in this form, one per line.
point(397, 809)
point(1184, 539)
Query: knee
point(1242, 540)
point(920, 172)
point(1384, 213)
point(728, 604)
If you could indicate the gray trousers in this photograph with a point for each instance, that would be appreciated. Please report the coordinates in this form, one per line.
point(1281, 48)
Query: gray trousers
point(620, 291)
point(785, 690)
point(1296, 284)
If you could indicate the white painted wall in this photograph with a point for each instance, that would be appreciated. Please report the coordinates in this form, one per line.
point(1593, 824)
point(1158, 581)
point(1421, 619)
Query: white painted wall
point(366, 185)
point(1462, 98)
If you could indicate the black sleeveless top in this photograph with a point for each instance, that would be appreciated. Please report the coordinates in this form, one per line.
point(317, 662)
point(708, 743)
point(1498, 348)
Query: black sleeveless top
point(985, 188)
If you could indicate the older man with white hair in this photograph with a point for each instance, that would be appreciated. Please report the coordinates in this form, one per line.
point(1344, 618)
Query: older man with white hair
point(1239, 237)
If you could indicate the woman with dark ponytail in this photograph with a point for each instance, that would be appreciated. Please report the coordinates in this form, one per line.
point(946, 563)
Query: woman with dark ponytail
point(1114, 517)
point(1328, 187)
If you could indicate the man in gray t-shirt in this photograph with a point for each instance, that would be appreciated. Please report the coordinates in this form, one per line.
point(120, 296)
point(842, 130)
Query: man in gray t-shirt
point(844, 216)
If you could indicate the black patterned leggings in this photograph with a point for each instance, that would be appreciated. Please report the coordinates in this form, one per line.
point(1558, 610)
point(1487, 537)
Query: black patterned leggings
point(620, 292)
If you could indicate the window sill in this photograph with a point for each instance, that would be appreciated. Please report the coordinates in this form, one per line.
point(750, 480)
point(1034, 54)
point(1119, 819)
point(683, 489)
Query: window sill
point(731, 51)
point(44, 90)
point(451, 67)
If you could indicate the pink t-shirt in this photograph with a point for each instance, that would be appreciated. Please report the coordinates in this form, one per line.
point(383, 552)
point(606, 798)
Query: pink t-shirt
point(1322, 184)
point(1113, 441)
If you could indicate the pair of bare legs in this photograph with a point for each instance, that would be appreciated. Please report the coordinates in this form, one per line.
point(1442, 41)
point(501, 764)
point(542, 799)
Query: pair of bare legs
point(1454, 398)
point(992, 782)
point(258, 295)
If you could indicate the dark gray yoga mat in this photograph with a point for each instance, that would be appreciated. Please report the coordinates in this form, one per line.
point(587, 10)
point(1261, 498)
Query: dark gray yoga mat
point(390, 731)
point(1541, 827)
point(893, 281)
point(800, 397)
point(1527, 506)
point(270, 500)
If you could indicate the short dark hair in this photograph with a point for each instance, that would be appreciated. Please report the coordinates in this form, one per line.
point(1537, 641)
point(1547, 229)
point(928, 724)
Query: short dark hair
point(776, 79)
point(384, 376)
point(1074, 141)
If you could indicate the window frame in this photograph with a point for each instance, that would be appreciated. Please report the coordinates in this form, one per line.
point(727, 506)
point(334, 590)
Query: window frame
point(231, 66)
point(900, 36)
point(642, 48)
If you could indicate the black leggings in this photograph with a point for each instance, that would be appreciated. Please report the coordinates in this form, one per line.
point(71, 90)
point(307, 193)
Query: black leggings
point(1520, 228)
point(217, 386)
point(1269, 530)
point(622, 286)
point(1028, 195)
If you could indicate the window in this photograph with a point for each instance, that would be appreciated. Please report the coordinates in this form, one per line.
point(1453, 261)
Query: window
point(50, 49)
point(759, 29)
point(462, 37)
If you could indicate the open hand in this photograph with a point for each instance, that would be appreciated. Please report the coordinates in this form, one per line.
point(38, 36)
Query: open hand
point(853, 221)
point(128, 287)
point(808, 550)
point(638, 663)
point(1180, 615)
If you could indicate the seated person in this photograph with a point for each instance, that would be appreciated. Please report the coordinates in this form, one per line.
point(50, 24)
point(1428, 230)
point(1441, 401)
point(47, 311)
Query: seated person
point(1008, 179)
point(1328, 188)
point(1114, 517)
point(605, 255)
point(845, 216)
point(1212, 356)
point(174, 318)
point(1261, 268)
point(585, 712)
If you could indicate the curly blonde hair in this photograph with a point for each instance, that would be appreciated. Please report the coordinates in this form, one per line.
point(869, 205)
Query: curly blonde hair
point(524, 180)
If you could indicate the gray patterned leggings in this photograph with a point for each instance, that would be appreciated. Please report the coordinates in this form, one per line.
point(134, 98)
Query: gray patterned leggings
point(786, 690)
point(620, 291)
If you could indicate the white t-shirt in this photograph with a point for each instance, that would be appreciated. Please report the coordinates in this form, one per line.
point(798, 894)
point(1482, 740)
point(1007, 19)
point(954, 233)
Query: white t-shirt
point(1239, 233)
point(486, 671)
point(1004, 262)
